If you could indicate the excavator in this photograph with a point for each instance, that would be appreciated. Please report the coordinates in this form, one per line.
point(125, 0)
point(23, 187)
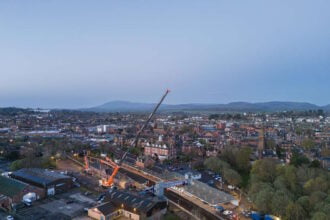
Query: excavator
point(108, 182)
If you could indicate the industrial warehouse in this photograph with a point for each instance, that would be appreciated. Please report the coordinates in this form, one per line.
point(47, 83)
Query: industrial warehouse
point(13, 192)
point(121, 203)
point(52, 182)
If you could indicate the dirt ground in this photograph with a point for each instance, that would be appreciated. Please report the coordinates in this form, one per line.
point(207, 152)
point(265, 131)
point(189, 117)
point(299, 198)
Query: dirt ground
point(68, 165)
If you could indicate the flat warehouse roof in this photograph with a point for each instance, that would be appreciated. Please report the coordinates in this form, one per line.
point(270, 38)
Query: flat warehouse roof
point(209, 194)
point(10, 187)
point(40, 176)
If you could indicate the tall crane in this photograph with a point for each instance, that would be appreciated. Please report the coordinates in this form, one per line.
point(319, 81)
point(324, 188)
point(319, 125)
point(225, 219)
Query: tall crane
point(136, 139)
point(109, 181)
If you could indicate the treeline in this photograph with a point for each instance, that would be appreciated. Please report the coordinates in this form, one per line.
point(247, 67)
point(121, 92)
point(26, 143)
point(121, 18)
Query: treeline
point(233, 163)
point(37, 152)
point(34, 162)
point(308, 113)
point(290, 114)
point(296, 191)
point(228, 116)
point(12, 111)
point(290, 192)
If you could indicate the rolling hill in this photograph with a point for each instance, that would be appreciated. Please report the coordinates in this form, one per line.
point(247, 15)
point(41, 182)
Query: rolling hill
point(125, 106)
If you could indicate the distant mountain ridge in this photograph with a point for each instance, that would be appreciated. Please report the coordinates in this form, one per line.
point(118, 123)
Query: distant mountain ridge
point(274, 106)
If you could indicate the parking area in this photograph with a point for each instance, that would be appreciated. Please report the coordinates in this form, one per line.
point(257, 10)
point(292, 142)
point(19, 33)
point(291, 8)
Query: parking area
point(60, 207)
point(3, 215)
point(4, 165)
point(31, 213)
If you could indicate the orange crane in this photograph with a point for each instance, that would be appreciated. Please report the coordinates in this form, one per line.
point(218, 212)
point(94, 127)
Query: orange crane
point(86, 163)
point(109, 181)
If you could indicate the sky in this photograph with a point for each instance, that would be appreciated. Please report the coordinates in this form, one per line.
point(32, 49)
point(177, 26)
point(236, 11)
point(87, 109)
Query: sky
point(74, 54)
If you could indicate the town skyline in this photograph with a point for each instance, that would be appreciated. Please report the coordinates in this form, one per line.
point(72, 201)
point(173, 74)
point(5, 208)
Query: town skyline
point(170, 110)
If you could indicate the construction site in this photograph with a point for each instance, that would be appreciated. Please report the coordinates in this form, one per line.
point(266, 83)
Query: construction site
point(113, 185)
point(195, 199)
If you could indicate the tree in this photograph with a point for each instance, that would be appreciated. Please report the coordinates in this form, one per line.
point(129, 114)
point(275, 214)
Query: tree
point(215, 164)
point(320, 112)
point(322, 207)
point(315, 164)
point(135, 150)
point(255, 189)
point(319, 216)
point(229, 155)
point(12, 154)
point(317, 197)
point(232, 176)
point(295, 212)
point(262, 200)
point(16, 165)
point(310, 185)
point(298, 159)
point(264, 170)
point(291, 178)
point(242, 159)
point(279, 202)
point(270, 143)
point(317, 184)
point(214, 116)
point(280, 183)
point(303, 201)
point(279, 151)
point(308, 143)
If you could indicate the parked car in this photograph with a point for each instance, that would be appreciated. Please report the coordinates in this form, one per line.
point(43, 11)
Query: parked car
point(227, 212)
point(219, 208)
point(70, 202)
point(87, 193)
point(101, 197)
point(231, 187)
point(9, 217)
point(246, 213)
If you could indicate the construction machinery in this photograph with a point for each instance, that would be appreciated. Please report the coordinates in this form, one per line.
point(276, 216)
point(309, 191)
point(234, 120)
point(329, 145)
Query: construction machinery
point(107, 182)
point(136, 139)
point(86, 163)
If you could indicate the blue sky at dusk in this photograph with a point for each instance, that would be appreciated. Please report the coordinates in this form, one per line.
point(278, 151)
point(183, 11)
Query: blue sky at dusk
point(70, 54)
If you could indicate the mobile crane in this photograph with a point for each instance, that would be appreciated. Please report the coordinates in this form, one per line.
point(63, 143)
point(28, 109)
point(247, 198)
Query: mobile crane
point(107, 182)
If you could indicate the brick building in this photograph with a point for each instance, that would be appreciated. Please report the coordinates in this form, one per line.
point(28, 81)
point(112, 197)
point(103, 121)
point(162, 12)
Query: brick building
point(52, 182)
point(161, 151)
point(12, 192)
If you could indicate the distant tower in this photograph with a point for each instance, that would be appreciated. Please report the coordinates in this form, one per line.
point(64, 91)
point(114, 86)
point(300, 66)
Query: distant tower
point(261, 142)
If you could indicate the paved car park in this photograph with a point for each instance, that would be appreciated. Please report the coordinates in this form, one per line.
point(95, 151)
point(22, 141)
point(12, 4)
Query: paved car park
point(38, 213)
point(3, 215)
point(4, 165)
point(60, 207)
